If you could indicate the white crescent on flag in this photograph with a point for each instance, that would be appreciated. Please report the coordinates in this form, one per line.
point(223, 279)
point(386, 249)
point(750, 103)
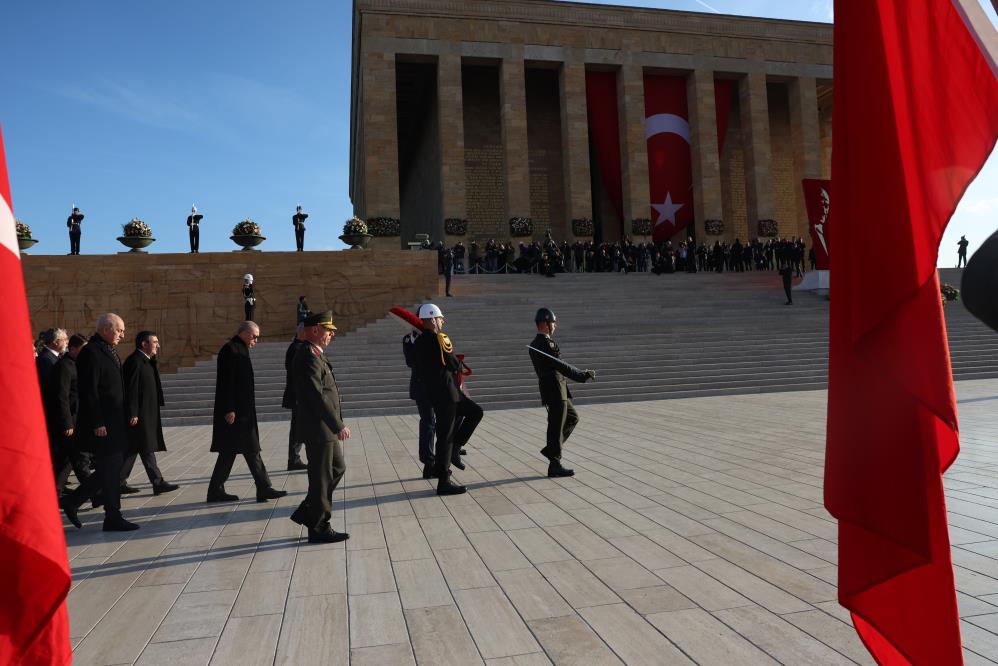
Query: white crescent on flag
point(8, 232)
point(667, 123)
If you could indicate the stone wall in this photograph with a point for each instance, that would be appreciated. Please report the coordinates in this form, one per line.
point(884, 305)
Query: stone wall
point(483, 164)
point(547, 179)
point(194, 301)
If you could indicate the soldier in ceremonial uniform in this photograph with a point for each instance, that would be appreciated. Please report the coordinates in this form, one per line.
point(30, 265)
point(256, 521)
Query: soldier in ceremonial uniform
point(298, 220)
point(288, 400)
point(193, 229)
point(73, 223)
point(320, 424)
point(551, 372)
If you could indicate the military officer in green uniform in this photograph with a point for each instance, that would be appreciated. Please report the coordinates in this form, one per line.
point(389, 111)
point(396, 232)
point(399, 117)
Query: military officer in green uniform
point(551, 372)
point(319, 423)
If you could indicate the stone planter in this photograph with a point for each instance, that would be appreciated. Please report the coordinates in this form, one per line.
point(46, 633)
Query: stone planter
point(357, 241)
point(136, 243)
point(24, 244)
point(248, 241)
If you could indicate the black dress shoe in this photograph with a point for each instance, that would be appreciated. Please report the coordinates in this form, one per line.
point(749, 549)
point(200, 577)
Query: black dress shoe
point(295, 465)
point(448, 488)
point(164, 487)
point(555, 470)
point(220, 495)
point(328, 536)
point(118, 524)
point(129, 490)
point(70, 512)
point(463, 452)
point(456, 461)
point(269, 494)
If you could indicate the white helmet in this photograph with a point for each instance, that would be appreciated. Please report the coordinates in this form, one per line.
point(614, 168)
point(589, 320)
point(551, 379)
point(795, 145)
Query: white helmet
point(429, 311)
point(248, 277)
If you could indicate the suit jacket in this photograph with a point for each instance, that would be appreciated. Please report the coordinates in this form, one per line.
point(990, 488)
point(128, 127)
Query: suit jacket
point(235, 391)
point(320, 414)
point(61, 399)
point(436, 369)
point(408, 351)
point(44, 363)
point(101, 397)
point(551, 373)
point(298, 220)
point(143, 398)
point(288, 400)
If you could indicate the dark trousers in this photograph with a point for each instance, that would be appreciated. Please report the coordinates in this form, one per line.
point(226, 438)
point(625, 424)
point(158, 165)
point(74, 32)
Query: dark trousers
point(300, 238)
point(106, 480)
point(223, 467)
point(786, 289)
point(66, 460)
point(326, 467)
point(562, 419)
point(961, 258)
point(195, 235)
point(294, 444)
point(148, 461)
point(449, 439)
point(74, 241)
point(426, 427)
point(448, 274)
point(249, 311)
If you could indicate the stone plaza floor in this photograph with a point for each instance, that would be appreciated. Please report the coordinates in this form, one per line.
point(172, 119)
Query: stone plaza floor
point(693, 531)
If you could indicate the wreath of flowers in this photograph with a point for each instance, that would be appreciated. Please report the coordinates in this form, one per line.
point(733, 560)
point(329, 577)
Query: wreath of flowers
point(23, 230)
point(713, 227)
point(354, 225)
point(246, 228)
point(949, 293)
point(641, 226)
point(455, 226)
point(383, 226)
point(521, 226)
point(136, 228)
point(583, 226)
point(768, 228)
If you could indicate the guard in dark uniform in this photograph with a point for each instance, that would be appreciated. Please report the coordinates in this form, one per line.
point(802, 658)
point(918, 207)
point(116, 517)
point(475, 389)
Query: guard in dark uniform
point(249, 298)
point(73, 224)
point(423, 405)
point(288, 400)
point(320, 424)
point(551, 372)
point(298, 220)
point(193, 229)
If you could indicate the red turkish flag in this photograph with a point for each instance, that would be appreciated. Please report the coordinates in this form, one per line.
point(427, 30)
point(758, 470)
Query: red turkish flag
point(915, 118)
point(34, 571)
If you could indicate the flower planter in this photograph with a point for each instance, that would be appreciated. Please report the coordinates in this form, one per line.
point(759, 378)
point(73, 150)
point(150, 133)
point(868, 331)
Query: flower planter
point(357, 241)
point(24, 244)
point(248, 241)
point(136, 243)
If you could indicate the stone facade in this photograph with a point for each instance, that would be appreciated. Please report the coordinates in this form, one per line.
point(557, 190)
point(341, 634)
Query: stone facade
point(194, 301)
point(526, 146)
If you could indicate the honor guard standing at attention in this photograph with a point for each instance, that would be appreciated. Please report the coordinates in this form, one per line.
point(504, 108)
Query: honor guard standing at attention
point(288, 400)
point(551, 372)
point(193, 225)
point(320, 424)
point(73, 223)
point(298, 220)
point(249, 298)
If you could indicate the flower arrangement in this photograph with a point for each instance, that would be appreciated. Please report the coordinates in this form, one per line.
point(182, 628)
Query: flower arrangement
point(246, 228)
point(583, 226)
point(23, 230)
point(354, 225)
point(383, 226)
point(949, 293)
point(768, 228)
point(641, 226)
point(521, 226)
point(455, 226)
point(713, 227)
point(136, 228)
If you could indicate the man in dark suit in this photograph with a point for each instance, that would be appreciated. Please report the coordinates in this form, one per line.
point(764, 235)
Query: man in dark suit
point(101, 423)
point(53, 346)
point(234, 430)
point(320, 422)
point(143, 398)
point(551, 372)
point(61, 399)
point(73, 223)
point(787, 273)
point(288, 401)
point(194, 229)
point(298, 220)
point(418, 394)
point(436, 368)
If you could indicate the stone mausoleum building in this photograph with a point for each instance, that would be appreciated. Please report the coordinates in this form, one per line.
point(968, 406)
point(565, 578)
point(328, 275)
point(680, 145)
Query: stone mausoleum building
point(489, 110)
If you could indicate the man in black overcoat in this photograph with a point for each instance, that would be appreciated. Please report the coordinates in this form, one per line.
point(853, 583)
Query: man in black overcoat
point(53, 346)
point(61, 399)
point(234, 424)
point(101, 423)
point(143, 398)
point(288, 400)
point(418, 394)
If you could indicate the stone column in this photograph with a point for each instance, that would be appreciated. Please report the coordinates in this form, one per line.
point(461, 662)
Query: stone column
point(513, 102)
point(758, 152)
point(451, 114)
point(706, 161)
point(805, 136)
point(633, 145)
point(575, 143)
point(380, 149)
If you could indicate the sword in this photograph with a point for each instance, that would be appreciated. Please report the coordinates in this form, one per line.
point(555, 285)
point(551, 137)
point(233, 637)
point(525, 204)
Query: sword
point(554, 358)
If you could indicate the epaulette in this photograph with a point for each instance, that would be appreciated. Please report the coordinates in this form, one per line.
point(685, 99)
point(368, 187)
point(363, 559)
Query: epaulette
point(445, 346)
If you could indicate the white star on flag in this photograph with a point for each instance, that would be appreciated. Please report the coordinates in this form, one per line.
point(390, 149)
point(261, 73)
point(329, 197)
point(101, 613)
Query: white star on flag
point(667, 210)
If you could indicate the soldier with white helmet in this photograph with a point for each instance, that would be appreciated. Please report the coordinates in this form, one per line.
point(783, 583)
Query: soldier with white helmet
point(249, 305)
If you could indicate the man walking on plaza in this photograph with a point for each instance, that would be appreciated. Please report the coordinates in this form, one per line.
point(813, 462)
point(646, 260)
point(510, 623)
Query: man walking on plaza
point(288, 401)
point(551, 372)
point(143, 398)
point(101, 423)
point(53, 347)
point(234, 426)
point(320, 422)
point(61, 399)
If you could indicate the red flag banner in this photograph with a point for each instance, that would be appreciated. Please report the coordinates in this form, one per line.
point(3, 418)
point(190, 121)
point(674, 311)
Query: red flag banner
point(604, 133)
point(914, 118)
point(34, 570)
point(817, 200)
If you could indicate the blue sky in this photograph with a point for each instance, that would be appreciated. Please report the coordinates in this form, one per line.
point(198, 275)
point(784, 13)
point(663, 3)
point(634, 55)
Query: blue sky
point(139, 109)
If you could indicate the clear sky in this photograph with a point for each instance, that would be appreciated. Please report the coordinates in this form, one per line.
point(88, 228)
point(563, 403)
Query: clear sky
point(139, 109)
